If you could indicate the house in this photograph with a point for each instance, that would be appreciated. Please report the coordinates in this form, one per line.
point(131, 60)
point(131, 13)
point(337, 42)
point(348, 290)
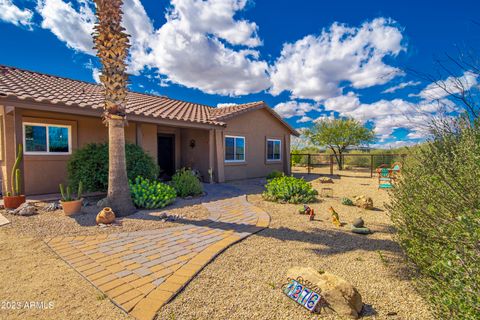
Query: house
point(53, 116)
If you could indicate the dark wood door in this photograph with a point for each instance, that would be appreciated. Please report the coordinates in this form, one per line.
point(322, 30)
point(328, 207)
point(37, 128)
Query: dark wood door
point(166, 155)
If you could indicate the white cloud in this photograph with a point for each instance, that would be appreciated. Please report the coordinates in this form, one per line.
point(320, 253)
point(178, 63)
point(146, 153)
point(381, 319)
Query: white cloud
point(451, 85)
point(72, 26)
point(304, 119)
point(223, 105)
point(401, 86)
point(315, 66)
point(197, 47)
point(294, 109)
point(10, 13)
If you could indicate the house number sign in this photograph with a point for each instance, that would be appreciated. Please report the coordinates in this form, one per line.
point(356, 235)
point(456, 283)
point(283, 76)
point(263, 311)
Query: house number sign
point(297, 290)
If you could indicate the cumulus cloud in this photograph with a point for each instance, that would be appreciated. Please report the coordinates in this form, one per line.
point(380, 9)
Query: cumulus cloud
point(200, 46)
point(291, 109)
point(227, 104)
point(10, 13)
point(73, 26)
point(315, 66)
point(304, 119)
point(449, 86)
point(401, 86)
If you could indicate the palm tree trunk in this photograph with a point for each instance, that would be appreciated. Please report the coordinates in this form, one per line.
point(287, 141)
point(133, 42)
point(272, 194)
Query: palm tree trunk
point(118, 195)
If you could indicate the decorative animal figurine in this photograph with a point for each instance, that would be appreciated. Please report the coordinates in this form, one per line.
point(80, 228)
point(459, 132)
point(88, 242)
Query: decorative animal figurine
point(335, 217)
point(312, 215)
point(106, 216)
point(305, 210)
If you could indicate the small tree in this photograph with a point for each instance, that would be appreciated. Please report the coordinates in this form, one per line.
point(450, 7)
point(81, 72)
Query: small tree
point(338, 135)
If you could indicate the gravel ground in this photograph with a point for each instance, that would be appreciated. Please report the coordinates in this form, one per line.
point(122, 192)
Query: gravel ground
point(245, 281)
point(49, 224)
point(31, 272)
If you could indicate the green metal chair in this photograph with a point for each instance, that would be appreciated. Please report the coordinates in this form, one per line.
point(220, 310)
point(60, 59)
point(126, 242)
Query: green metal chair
point(385, 179)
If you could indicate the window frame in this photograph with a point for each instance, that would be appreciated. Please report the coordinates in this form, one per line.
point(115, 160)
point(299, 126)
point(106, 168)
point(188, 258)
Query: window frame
point(235, 149)
point(266, 150)
point(47, 125)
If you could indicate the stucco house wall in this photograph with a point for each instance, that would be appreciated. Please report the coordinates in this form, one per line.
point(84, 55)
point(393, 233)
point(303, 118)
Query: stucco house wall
point(257, 126)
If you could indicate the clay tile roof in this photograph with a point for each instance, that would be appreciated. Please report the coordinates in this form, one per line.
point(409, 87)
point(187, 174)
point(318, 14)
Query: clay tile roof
point(40, 87)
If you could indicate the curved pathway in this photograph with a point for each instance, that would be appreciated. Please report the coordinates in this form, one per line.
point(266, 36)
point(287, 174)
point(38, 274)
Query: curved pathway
point(143, 270)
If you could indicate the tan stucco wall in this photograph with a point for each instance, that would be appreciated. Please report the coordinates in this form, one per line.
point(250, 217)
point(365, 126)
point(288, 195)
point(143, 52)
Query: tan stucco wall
point(198, 156)
point(256, 126)
point(43, 173)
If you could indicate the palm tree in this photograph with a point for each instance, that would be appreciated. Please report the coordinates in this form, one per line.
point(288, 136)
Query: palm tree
point(111, 43)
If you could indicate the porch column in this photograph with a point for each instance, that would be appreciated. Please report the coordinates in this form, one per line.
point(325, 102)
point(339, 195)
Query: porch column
point(211, 151)
point(13, 136)
point(220, 173)
point(287, 168)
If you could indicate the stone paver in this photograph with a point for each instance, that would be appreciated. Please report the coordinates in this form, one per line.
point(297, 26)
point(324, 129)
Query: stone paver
point(143, 270)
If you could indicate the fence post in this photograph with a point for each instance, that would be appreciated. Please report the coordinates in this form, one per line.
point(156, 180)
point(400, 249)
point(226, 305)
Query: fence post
point(331, 165)
point(371, 166)
point(308, 165)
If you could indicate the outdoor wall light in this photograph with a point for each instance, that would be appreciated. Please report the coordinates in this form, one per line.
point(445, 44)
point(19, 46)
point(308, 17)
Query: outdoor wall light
point(192, 143)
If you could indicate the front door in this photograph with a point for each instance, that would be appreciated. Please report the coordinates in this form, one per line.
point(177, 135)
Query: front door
point(166, 155)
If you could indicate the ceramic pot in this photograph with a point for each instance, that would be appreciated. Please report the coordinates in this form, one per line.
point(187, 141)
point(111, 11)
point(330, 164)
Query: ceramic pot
point(106, 216)
point(13, 202)
point(71, 207)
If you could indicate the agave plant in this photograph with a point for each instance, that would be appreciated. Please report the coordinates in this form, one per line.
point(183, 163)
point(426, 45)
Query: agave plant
point(111, 43)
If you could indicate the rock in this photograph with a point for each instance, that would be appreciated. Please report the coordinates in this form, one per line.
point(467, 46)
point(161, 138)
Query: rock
point(25, 209)
point(106, 216)
point(102, 203)
point(363, 202)
point(52, 206)
point(338, 296)
point(358, 223)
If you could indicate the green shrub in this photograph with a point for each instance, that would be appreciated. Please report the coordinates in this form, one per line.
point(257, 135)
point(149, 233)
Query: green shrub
point(186, 182)
point(347, 202)
point(436, 210)
point(90, 165)
point(275, 174)
point(290, 190)
point(151, 194)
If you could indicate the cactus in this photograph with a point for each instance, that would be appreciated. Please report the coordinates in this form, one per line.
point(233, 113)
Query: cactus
point(80, 190)
point(62, 191)
point(16, 174)
point(69, 193)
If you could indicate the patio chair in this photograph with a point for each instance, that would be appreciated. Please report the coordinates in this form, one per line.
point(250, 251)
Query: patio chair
point(385, 179)
point(395, 171)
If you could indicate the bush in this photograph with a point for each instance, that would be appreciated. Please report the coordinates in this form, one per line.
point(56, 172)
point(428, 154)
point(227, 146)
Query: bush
point(347, 202)
point(275, 174)
point(436, 209)
point(151, 194)
point(290, 190)
point(186, 182)
point(90, 165)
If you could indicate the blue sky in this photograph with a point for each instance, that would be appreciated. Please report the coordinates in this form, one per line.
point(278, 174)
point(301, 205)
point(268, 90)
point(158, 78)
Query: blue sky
point(306, 59)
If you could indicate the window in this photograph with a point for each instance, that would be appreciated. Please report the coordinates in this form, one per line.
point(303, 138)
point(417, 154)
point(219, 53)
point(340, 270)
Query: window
point(42, 138)
point(274, 149)
point(234, 149)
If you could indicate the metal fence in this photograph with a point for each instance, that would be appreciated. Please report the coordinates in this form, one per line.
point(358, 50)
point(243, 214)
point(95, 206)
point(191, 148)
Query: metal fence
point(349, 160)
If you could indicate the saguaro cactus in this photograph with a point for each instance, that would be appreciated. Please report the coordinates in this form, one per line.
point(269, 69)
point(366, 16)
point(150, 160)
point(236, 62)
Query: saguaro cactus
point(16, 175)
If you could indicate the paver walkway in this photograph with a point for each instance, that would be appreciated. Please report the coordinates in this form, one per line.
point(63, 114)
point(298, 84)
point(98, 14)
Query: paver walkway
point(141, 271)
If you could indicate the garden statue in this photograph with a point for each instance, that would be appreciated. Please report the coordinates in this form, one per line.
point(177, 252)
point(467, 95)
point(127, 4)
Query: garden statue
point(335, 217)
point(312, 215)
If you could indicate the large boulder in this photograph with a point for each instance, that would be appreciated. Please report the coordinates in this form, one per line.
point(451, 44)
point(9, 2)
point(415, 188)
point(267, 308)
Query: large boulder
point(338, 296)
point(363, 202)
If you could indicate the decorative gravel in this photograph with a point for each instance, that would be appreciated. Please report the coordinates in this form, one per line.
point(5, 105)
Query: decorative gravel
point(49, 224)
point(245, 281)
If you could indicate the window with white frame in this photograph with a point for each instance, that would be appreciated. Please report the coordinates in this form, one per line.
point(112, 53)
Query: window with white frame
point(274, 149)
point(41, 138)
point(234, 149)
